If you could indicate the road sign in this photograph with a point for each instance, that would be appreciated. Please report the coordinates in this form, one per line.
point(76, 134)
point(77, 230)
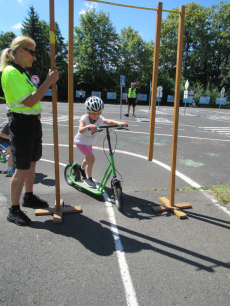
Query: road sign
point(187, 100)
point(221, 101)
point(35, 79)
point(170, 98)
point(122, 80)
point(159, 92)
point(159, 88)
point(222, 92)
point(204, 100)
point(191, 93)
point(186, 84)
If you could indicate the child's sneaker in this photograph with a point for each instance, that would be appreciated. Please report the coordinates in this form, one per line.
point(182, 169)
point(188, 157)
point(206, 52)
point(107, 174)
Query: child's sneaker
point(18, 217)
point(90, 183)
point(10, 173)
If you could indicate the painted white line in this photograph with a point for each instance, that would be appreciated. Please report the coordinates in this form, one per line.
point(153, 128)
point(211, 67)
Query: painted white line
point(130, 293)
point(179, 136)
point(179, 174)
point(124, 269)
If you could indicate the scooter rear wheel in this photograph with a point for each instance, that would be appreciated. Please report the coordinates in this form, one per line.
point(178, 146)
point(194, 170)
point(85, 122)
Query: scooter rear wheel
point(75, 174)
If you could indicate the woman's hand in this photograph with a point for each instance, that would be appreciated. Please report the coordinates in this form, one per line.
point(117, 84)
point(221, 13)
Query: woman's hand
point(53, 76)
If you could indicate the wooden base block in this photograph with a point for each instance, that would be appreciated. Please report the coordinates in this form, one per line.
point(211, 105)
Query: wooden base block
point(57, 213)
point(175, 209)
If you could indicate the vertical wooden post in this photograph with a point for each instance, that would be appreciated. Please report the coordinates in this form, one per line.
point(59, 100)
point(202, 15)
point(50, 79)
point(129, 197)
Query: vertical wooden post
point(54, 105)
point(154, 80)
point(59, 208)
point(176, 104)
point(70, 80)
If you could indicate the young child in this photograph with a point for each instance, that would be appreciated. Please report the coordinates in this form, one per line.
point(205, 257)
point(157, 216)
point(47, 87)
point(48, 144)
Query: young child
point(86, 136)
point(5, 143)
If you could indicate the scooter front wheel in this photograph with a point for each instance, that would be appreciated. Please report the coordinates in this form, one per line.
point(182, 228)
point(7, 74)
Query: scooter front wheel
point(75, 174)
point(118, 197)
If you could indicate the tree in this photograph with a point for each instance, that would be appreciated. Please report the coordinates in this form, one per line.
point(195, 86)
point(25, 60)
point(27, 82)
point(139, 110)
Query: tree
point(61, 64)
point(95, 51)
point(132, 49)
point(6, 39)
point(39, 32)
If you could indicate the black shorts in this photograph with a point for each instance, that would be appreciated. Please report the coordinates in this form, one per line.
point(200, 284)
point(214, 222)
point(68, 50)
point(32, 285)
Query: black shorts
point(26, 139)
point(132, 102)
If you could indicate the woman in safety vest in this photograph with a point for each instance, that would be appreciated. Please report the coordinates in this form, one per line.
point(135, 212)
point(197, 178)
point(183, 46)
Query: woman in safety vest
point(23, 100)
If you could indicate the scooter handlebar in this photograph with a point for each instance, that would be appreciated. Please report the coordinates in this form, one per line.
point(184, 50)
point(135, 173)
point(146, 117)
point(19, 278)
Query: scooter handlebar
point(118, 126)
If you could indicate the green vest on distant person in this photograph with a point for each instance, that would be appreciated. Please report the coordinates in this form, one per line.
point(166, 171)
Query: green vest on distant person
point(132, 93)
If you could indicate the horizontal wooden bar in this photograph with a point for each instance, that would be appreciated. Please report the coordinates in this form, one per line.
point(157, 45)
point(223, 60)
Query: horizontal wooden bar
point(143, 8)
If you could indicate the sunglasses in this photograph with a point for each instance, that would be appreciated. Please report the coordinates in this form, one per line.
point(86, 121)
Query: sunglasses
point(30, 51)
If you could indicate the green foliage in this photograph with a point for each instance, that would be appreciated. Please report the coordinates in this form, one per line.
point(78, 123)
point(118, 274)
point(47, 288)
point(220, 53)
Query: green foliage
point(101, 55)
point(6, 39)
point(38, 31)
point(96, 52)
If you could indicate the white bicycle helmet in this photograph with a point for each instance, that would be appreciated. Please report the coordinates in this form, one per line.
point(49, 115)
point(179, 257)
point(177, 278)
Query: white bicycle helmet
point(94, 105)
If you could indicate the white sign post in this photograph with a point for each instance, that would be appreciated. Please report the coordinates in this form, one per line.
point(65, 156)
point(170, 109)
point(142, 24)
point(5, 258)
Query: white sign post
point(222, 96)
point(159, 94)
point(186, 94)
point(122, 84)
point(150, 95)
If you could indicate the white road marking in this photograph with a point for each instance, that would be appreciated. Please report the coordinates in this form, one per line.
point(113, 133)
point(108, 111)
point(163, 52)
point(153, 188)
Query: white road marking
point(124, 269)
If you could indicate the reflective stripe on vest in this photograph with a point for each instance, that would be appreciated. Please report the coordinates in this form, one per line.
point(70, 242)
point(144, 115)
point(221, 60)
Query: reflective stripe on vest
point(132, 93)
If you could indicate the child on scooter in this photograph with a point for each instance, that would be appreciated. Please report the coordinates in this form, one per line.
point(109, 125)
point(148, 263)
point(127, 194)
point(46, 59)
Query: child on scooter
point(86, 136)
point(5, 144)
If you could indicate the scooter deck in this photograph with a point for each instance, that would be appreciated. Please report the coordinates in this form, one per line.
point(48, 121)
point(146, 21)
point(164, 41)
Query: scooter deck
point(81, 184)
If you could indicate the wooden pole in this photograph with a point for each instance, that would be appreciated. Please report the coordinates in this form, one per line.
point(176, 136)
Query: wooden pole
point(176, 104)
point(54, 104)
point(169, 204)
point(59, 208)
point(70, 80)
point(154, 80)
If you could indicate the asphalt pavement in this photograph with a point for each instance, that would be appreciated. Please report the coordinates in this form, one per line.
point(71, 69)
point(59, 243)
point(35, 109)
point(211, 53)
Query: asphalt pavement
point(135, 257)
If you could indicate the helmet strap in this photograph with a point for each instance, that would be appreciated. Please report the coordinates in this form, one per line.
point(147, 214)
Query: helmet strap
point(91, 120)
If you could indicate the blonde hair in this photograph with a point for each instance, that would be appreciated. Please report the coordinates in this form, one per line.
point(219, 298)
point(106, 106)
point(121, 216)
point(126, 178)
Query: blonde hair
point(8, 54)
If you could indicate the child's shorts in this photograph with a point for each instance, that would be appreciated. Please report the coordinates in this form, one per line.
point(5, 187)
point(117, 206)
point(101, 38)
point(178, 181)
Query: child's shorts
point(86, 150)
point(5, 145)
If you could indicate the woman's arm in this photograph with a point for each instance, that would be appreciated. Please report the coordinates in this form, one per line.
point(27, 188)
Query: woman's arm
point(37, 95)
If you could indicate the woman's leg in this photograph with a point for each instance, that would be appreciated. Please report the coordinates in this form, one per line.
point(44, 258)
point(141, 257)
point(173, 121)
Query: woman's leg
point(29, 179)
point(16, 185)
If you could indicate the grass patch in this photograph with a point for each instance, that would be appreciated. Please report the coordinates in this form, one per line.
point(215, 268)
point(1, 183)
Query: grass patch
point(221, 192)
